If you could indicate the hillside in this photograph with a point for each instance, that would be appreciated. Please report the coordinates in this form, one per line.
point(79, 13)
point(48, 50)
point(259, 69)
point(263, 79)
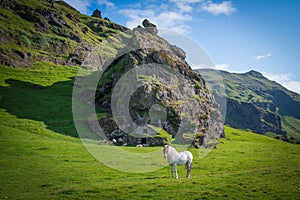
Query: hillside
point(256, 103)
point(37, 163)
point(32, 31)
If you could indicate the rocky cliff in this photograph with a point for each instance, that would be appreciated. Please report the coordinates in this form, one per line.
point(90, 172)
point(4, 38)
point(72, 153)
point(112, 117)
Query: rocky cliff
point(160, 82)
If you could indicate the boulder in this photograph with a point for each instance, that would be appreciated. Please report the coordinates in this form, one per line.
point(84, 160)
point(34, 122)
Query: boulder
point(150, 27)
point(97, 13)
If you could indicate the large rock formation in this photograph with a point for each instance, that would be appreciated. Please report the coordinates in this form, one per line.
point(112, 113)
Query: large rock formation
point(157, 75)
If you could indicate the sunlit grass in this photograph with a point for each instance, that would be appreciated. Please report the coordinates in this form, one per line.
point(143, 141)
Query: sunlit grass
point(37, 163)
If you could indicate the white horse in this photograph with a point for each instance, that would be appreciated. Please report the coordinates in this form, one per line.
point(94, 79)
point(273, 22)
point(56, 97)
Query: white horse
point(174, 158)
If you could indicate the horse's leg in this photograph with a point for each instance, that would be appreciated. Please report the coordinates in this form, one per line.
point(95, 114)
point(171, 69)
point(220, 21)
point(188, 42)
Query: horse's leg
point(188, 169)
point(172, 170)
point(175, 168)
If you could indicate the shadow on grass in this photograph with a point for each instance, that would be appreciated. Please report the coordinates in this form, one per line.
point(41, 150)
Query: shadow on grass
point(51, 105)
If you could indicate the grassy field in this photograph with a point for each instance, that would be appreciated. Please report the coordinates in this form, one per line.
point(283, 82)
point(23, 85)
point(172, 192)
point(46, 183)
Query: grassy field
point(52, 104)
point(37, 163)
point(40, 160)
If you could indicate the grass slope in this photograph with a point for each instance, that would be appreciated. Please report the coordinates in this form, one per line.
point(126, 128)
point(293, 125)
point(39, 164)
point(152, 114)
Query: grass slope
point(52, 104)
point(37, 163)
point(33, 30)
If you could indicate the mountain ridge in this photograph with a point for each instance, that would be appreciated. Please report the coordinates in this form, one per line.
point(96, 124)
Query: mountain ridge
point(272, 105)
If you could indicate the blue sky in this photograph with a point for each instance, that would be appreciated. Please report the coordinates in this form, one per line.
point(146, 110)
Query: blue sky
point(238, 35)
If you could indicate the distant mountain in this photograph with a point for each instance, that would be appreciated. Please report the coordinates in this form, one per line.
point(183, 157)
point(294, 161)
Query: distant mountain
point(256, 103)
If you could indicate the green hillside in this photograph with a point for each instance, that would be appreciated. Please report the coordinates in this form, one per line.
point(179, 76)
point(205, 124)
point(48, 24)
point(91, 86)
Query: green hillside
point(256, 103)
point(37, 163)
point(33, 31)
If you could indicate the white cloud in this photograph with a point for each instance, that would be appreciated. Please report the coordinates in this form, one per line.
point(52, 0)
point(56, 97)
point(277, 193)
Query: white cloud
point(221, 66)
point(136, 16)
point(80, 5)
point(293, 86)
point(170, 14)
point(165, 20)
point(285, 80)
point(194, 67)
point(173, 15)
point(107, 3)
point(263, 56)
point(225, 8)
point(83, 6)
point(206, 66)
point(172, 19)
point(185, 5)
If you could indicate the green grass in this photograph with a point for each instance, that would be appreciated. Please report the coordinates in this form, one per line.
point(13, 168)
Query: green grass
point(52, 104)
point(41, 73)
point(37, 163)
point(292, 126)
point(162, 133)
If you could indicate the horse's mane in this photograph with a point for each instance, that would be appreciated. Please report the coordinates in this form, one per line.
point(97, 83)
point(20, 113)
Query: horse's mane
point(172, 154)
point(172, 148)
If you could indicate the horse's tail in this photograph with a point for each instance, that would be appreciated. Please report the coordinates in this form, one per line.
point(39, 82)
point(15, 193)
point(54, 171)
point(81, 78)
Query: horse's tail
point(189, 164)
point(190, 157)
point(189, 160)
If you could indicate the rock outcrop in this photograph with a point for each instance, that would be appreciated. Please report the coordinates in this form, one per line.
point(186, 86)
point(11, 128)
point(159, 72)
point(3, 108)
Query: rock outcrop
point(166, 80)
point(97, 13)
point(150, 27)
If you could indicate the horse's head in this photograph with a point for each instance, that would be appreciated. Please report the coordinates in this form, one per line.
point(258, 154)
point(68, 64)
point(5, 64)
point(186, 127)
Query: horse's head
point(166, 150)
